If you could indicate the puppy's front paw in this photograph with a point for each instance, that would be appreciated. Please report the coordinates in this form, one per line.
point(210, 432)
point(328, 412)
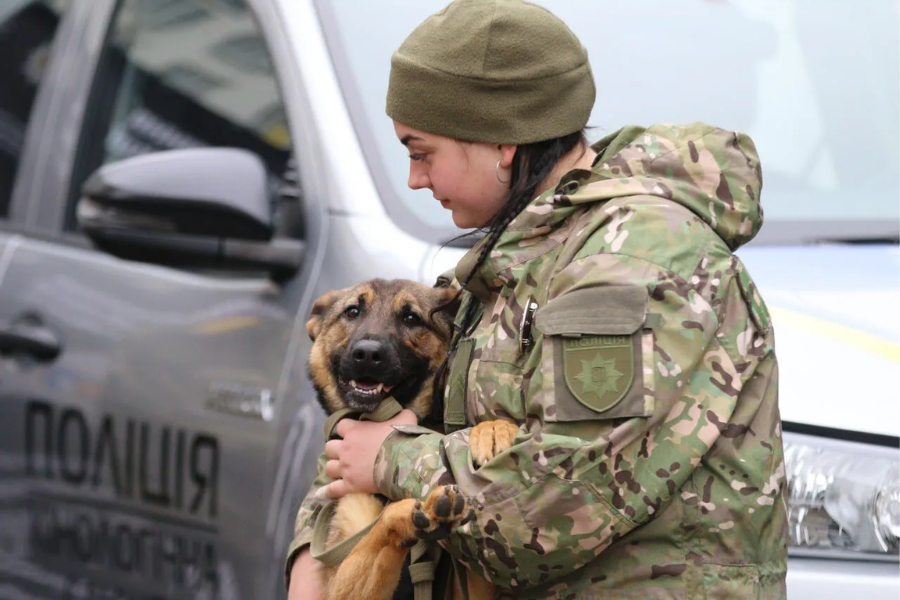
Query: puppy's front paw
point(445, 508)
point(488, 439)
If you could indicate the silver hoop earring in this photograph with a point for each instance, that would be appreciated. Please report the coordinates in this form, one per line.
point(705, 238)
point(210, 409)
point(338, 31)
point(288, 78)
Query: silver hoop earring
point(498, 173)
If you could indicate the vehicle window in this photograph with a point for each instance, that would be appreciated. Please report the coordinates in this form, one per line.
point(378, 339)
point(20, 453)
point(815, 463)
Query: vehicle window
point(180, 74)
point(27, 29)
point(819, 92)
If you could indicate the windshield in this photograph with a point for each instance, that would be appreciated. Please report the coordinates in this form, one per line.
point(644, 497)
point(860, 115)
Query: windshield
point(815, 83)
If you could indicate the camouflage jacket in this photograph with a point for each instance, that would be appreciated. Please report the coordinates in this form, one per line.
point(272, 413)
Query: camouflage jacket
point(648, 462)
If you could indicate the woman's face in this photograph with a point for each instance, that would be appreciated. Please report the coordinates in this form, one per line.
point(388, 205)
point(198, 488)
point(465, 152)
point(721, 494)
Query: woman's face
point(462, 176)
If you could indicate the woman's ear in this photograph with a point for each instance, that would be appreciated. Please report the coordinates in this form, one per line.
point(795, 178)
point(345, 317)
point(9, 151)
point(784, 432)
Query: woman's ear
point(507, 154)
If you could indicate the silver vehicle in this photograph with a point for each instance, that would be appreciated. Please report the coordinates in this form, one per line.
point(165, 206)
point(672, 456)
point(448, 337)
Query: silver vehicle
point(180, 179)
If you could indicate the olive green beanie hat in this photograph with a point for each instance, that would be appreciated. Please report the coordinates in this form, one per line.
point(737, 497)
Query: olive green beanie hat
point(496, 71)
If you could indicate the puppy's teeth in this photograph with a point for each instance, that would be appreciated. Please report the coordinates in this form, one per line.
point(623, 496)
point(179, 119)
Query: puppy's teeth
point(379, 388)
point(353, 383)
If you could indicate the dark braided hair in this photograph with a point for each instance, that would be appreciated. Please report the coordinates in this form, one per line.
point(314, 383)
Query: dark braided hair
point(531, 165)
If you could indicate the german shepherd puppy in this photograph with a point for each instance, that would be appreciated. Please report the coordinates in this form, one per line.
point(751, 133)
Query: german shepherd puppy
point(373, 340)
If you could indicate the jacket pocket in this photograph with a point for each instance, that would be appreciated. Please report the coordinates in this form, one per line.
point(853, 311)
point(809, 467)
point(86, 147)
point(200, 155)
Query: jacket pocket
point(597, 355)
point(495, 385)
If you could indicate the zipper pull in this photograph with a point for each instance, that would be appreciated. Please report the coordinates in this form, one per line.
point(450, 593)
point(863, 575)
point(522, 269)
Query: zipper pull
point(526, 342)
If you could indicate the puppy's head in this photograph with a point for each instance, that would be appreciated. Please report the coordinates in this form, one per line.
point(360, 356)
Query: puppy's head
point(378, 339)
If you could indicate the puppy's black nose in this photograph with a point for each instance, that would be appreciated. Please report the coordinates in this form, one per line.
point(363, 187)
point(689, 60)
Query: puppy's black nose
point(368, 353)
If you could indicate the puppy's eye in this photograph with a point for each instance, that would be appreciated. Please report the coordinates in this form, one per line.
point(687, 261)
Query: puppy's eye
point(351, 312)
point(412, 319)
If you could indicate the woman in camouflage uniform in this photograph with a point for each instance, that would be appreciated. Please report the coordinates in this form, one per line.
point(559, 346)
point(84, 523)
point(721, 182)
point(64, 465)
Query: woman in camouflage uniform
point(648, 457)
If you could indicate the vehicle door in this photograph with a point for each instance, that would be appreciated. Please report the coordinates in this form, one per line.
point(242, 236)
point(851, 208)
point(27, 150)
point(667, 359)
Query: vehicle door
point(30, 32)
point(27, 31)
point(143, 405)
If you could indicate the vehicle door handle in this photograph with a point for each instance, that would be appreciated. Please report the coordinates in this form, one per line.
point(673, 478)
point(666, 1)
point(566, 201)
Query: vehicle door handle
point(30, 336)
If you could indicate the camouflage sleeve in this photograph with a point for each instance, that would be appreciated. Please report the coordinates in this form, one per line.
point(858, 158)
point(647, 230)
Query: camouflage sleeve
point(302, 525)
point(567, 489)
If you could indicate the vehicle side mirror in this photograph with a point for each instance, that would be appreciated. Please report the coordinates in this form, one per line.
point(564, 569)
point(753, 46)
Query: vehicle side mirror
point(203, 208)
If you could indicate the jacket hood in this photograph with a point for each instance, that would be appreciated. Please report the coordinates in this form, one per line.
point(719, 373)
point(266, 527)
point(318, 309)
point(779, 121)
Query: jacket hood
point(713, 172)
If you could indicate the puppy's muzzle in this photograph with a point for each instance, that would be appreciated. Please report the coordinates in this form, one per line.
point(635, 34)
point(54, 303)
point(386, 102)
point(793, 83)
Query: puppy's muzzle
point(369, 356)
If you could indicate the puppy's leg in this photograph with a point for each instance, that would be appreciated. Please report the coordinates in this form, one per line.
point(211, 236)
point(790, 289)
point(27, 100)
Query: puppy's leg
point(372, 569)
point(488, 439)
point(352, 514)
point(444, 509)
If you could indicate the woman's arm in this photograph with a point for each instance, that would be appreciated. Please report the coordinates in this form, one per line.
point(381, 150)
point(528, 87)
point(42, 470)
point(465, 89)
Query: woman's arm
point(302, 527)
point(566, 490)
point(303, 580)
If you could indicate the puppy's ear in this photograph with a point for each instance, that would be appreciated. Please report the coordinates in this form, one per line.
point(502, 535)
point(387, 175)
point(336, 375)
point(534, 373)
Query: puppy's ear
point(449, 301)
point(317, 315)
point(446, 305)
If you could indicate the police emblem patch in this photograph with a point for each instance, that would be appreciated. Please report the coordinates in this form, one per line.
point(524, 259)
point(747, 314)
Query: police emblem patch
point(599, 370)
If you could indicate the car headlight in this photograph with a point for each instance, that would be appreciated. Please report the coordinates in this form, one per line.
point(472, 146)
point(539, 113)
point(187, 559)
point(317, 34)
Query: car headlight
point(843, 497)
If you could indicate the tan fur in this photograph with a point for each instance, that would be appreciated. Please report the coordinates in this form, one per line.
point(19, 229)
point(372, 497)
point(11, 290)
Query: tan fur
point(404, 298)
point(488, 439)
point(319, 370)
point(384, 300)
point(354, 513)
point(372, 570)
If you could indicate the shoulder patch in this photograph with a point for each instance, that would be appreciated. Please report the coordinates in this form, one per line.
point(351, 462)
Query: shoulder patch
point(599, 370)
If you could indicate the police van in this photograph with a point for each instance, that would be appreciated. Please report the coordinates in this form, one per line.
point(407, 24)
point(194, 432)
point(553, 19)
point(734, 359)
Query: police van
point(179, 179)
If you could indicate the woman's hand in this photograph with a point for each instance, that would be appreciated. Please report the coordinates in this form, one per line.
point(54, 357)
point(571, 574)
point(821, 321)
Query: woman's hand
point(352, 458)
